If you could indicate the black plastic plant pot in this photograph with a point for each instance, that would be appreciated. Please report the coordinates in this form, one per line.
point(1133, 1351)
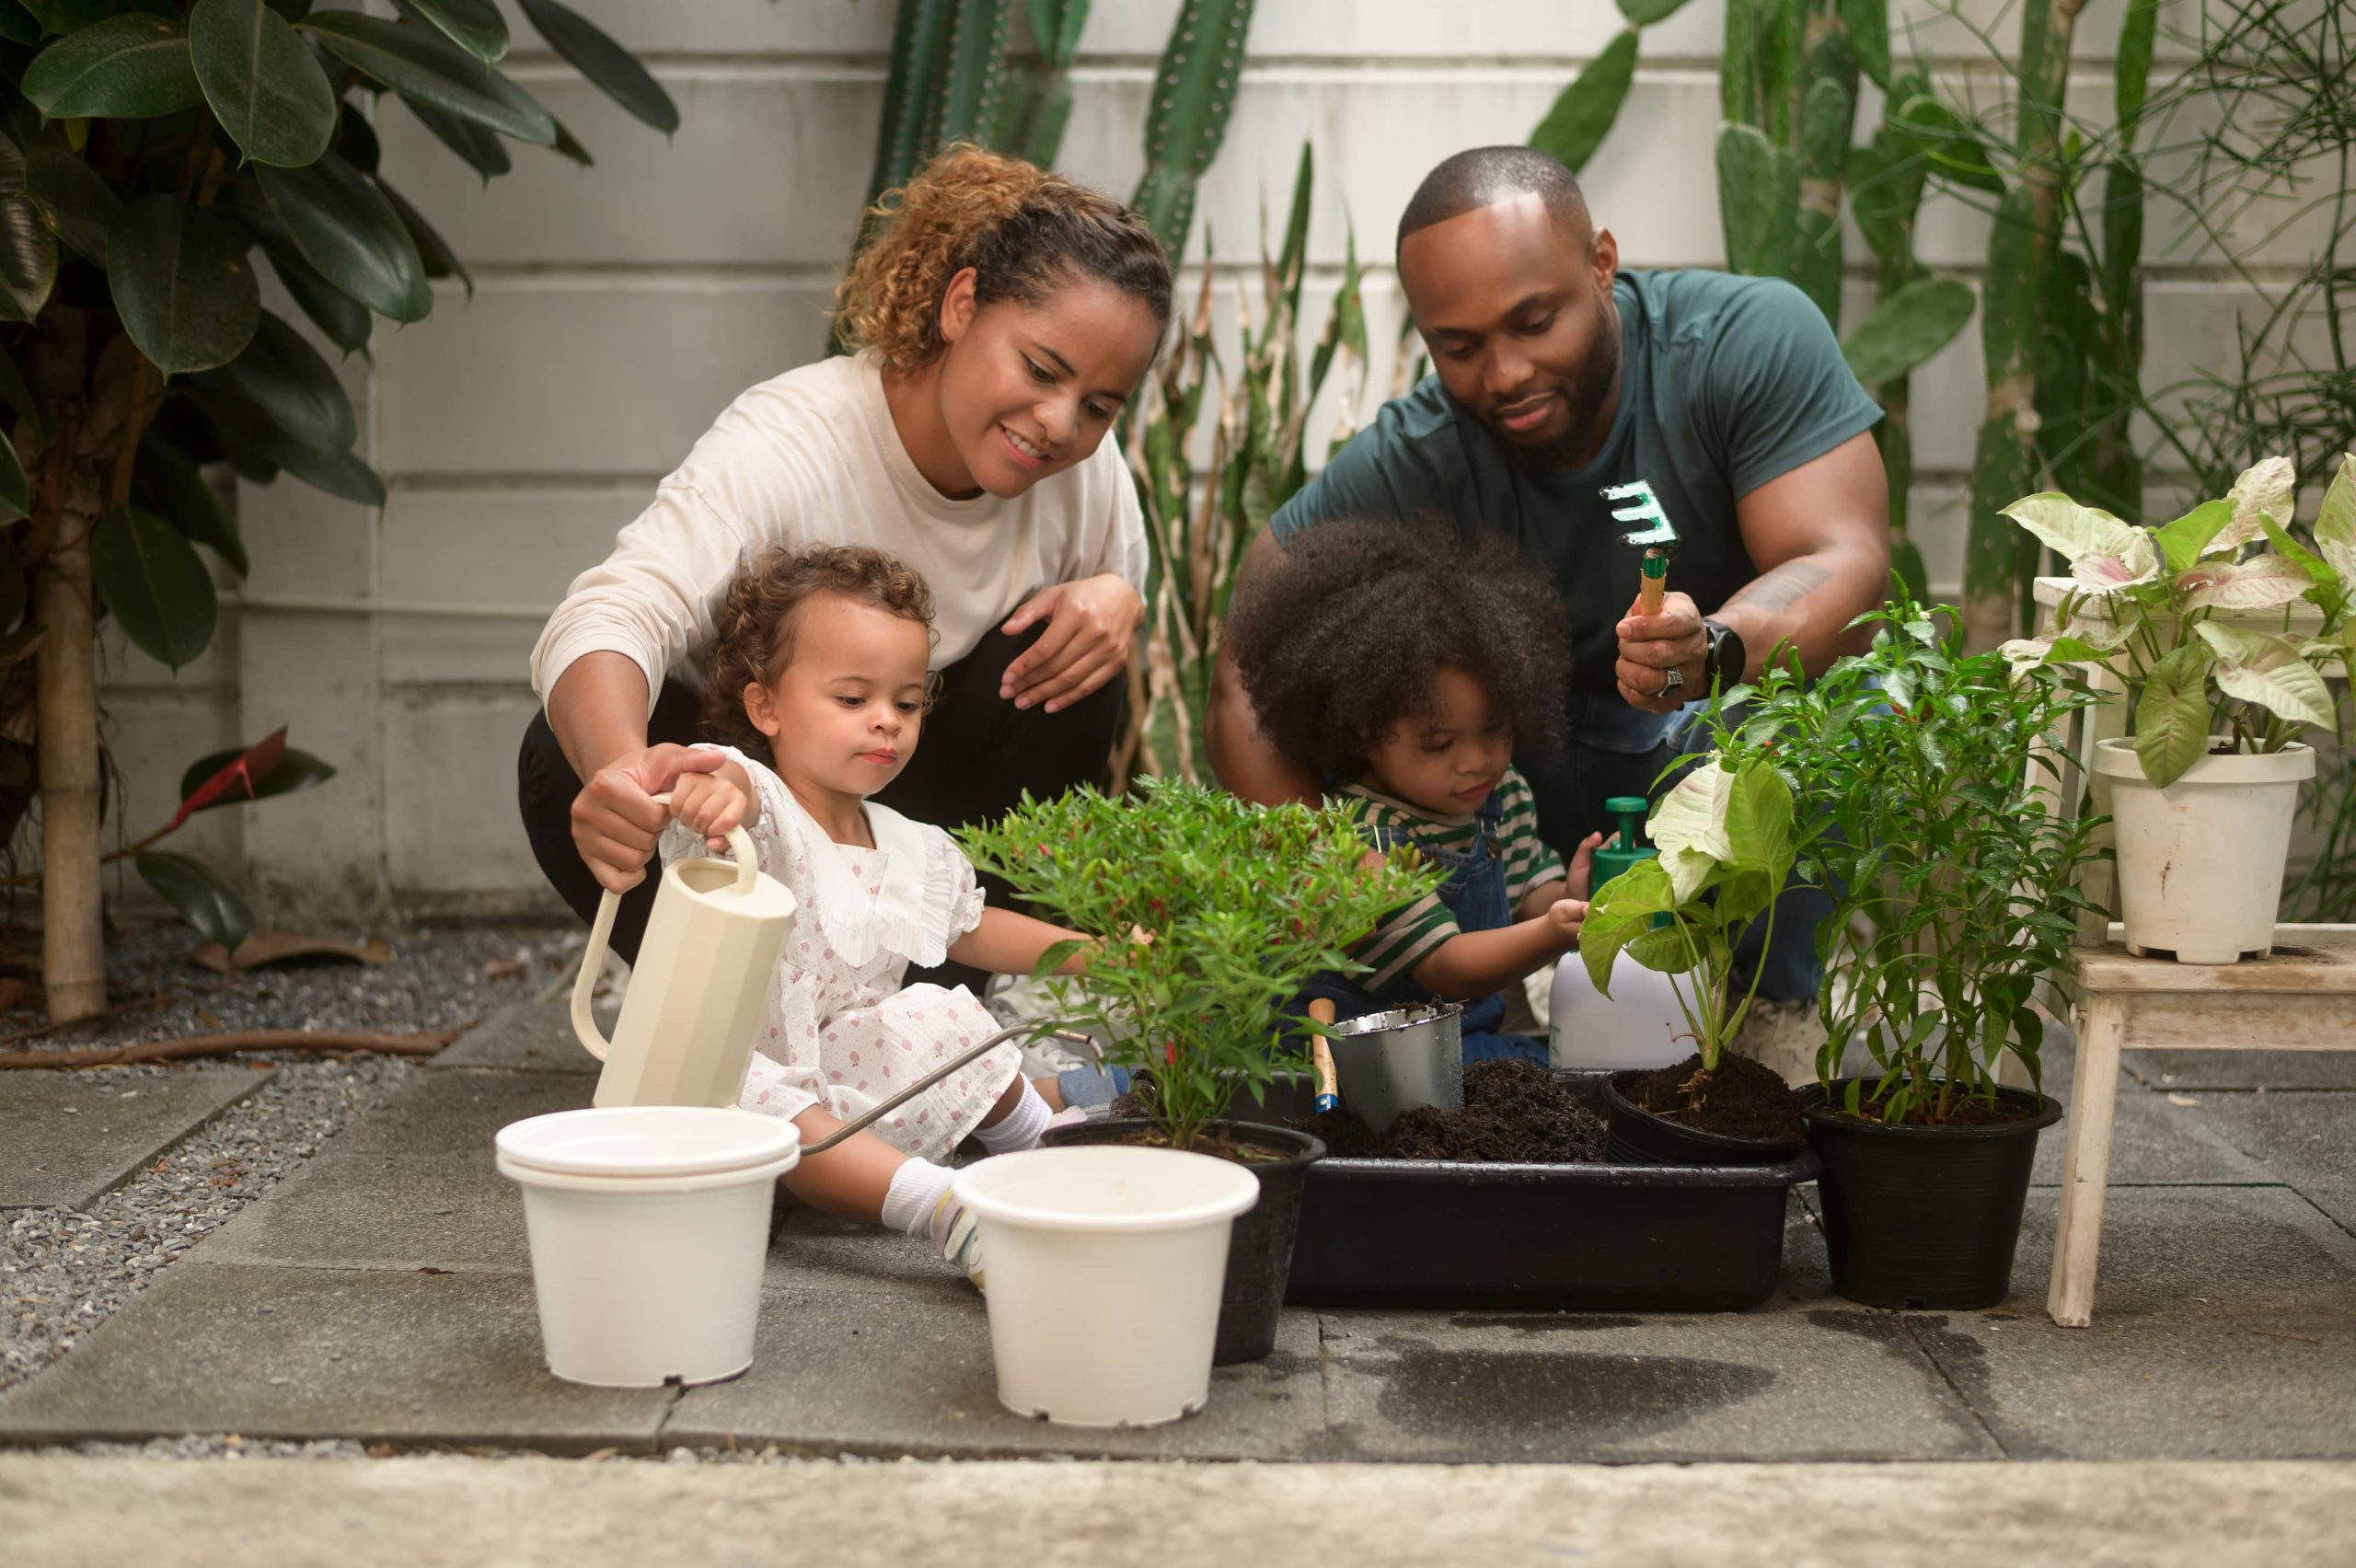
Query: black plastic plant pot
point(1260, 1249)
point(1286, 1099)
point(1923, 1218)
point(1634, 1135)
point(1570, 1237)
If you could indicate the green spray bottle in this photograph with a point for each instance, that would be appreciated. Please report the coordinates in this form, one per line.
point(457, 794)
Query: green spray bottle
point(1625, 849)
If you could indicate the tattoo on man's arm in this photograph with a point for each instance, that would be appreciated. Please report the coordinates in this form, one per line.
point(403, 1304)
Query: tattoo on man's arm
point(1780, 589)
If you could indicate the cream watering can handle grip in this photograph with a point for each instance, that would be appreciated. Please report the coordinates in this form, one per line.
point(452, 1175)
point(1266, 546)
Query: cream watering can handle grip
point(592, 957)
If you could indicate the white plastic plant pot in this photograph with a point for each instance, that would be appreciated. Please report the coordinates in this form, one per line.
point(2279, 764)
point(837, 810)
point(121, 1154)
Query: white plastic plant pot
point(1639, 1025)
point(2201, 862)
point(649, 1225)
point(1104, 1266)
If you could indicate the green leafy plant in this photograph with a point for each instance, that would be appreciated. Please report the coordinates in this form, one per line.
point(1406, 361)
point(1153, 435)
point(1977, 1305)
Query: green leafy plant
point(1726, 841)
point(1952, 866)
point(153, 156)
point(1211, 913)
point(2167, 609)
point(1200, 521)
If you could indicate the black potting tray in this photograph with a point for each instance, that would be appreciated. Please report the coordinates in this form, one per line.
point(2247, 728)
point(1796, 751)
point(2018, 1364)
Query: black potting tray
point(1581, 1237)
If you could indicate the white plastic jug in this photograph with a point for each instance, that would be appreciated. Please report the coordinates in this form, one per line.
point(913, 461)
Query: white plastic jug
point(704, 968)
point(1639, 1025)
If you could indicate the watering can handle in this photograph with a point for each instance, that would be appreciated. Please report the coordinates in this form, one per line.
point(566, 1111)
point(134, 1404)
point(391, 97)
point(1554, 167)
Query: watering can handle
point(592, 957)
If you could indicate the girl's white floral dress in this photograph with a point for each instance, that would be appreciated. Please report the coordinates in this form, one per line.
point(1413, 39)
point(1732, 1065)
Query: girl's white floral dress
point(839, 1030)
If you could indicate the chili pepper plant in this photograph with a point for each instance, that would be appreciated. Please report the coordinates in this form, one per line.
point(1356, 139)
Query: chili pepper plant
point(1210, 914)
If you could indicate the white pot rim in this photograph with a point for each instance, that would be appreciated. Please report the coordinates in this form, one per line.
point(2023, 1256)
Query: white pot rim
point(2117, 759)
point(1215, 1189)
point(603, 1145)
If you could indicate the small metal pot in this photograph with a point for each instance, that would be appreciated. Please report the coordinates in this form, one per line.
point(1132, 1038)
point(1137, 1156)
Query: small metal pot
point(1388, 1063)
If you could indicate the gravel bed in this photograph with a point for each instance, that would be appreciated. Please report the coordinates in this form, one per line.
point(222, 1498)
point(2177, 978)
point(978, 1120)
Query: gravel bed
point(62, 1272)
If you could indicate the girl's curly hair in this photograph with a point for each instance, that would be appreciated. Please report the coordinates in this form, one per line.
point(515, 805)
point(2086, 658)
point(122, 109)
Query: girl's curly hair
point(755, 623)
point(1339, 637)
point(1022, 230)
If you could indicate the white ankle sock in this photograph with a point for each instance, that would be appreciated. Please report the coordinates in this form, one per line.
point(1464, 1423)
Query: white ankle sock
point(918, 1188)
point(1019, 1128)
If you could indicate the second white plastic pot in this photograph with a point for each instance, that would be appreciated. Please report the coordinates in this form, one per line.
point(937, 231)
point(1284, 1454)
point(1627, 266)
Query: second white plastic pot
point(649, 1226)
point(1102, 1266)
point(2201, 862)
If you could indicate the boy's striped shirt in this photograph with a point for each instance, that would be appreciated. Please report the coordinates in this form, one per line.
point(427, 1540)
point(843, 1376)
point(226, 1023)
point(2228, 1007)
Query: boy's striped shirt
point(1407, 936)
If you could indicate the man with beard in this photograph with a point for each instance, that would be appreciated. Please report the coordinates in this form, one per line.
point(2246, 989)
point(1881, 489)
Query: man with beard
point(1566, 391)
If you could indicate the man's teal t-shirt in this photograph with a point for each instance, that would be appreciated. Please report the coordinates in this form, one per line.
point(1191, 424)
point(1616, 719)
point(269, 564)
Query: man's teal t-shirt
point(1725, 383)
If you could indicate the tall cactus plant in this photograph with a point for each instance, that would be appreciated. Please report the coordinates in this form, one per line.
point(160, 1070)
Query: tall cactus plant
point(1192, 93)
point(948, 71)
point(1036, 101)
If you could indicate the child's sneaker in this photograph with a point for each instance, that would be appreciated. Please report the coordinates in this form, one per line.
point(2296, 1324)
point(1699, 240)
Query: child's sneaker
point(958, 1234)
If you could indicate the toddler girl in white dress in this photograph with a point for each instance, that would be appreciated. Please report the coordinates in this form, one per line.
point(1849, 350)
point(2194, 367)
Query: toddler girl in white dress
point(822, 657)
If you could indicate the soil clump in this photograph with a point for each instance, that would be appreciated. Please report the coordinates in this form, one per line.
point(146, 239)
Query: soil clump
point(1739, 1100)
point(1515, 1113)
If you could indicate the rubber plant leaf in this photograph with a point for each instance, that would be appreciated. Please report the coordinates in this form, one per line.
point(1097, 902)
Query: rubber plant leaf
point(197, 890)
point(182, 284)
point(280, 373)
point(295, 771)
point(610, 68)
point(155, 584)
point(420, 63)
point(127, 67)
point(239, 778)
point(264, 83)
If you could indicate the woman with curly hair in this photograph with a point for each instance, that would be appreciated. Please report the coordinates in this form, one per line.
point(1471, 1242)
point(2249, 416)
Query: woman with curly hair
point(1404, 665)
point(1002, 316)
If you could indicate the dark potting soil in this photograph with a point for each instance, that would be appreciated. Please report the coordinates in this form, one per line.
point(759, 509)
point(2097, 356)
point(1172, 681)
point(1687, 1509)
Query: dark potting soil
point(1515, 1113)
point(1740, 1099)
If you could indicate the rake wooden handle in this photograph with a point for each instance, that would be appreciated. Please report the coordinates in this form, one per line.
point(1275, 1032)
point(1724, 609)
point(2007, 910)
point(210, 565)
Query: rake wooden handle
point(1321, 1054)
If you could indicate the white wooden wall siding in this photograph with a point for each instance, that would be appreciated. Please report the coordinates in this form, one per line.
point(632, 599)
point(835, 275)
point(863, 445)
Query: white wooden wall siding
point(620, 307)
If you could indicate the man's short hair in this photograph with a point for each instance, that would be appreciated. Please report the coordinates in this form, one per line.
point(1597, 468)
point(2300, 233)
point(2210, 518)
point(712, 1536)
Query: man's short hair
point(1482, 177)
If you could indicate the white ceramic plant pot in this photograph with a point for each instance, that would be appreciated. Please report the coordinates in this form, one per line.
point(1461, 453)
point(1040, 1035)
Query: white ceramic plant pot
point(2201, 862)
point(1639, 1025)
point(649, 1225)
point(1103, 1265)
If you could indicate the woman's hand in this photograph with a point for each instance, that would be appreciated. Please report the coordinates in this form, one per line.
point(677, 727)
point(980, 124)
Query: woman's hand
point(1092, 627)
point(1581, 880)
point(616, 821)
point(711, 804)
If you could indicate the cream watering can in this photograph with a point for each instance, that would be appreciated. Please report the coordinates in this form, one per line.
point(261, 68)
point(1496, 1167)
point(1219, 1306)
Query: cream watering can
point(704, 972)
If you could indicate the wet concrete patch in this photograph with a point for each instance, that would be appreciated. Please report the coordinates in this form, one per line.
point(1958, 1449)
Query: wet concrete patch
point(1522, 1397)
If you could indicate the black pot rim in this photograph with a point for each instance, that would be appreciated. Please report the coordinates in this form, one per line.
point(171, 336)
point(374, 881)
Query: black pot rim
point(1702, 1135)
point(1816, 1106)
point(1308, 1148)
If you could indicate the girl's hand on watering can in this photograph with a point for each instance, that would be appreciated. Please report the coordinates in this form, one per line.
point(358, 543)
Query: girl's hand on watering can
point(710, 804)
point(1567, 914)
point(1581, 880)
point(615, 821)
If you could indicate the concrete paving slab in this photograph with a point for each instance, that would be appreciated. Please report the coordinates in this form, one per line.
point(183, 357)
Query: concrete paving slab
point(818, 1253)
point(1834, 1381)
point(2221, 1330)
point(68, 1139)
point(527, 1036)
point(450, 1114)
point(2308, 1140)
point(2154, 1143)
point(2188, 1070)
point(535, 1513)
point(362, 1209)
point(903, 1374)
point(306, 1353)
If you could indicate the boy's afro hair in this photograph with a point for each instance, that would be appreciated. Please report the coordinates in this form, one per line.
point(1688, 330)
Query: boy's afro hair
point(1338, 635)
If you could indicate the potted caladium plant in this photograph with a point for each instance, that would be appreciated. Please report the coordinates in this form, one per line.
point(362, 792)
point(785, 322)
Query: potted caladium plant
point(1214, 914)
point(1724, 835)
point(1953, 870)
point(2220, 625)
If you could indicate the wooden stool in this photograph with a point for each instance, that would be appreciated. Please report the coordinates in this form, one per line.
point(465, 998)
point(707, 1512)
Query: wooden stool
point(2300, 998)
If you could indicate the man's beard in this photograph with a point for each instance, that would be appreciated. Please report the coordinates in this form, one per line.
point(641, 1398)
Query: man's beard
point(1588, 396)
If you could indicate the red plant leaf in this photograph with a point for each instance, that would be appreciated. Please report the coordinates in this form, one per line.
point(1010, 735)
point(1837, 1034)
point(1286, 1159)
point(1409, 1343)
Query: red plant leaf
point(249, 771)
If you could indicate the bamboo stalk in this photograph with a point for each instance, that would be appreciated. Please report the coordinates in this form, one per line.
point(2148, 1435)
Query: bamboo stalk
point(72, 956)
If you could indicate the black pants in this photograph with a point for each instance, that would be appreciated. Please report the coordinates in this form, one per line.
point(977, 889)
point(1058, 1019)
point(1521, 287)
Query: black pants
point(977, 755)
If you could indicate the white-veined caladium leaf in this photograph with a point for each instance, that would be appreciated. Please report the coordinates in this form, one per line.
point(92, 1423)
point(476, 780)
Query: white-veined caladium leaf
point(2080, 534)
point(2259, 667)
point(1690, 827)
point(2336, 523)
point(2262, 582)
point(2268, 488)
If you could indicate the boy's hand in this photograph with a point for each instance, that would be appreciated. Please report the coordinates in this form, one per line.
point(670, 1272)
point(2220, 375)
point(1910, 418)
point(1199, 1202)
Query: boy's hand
point(1567, 914)
point(708, 803)
point(1581, 877)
